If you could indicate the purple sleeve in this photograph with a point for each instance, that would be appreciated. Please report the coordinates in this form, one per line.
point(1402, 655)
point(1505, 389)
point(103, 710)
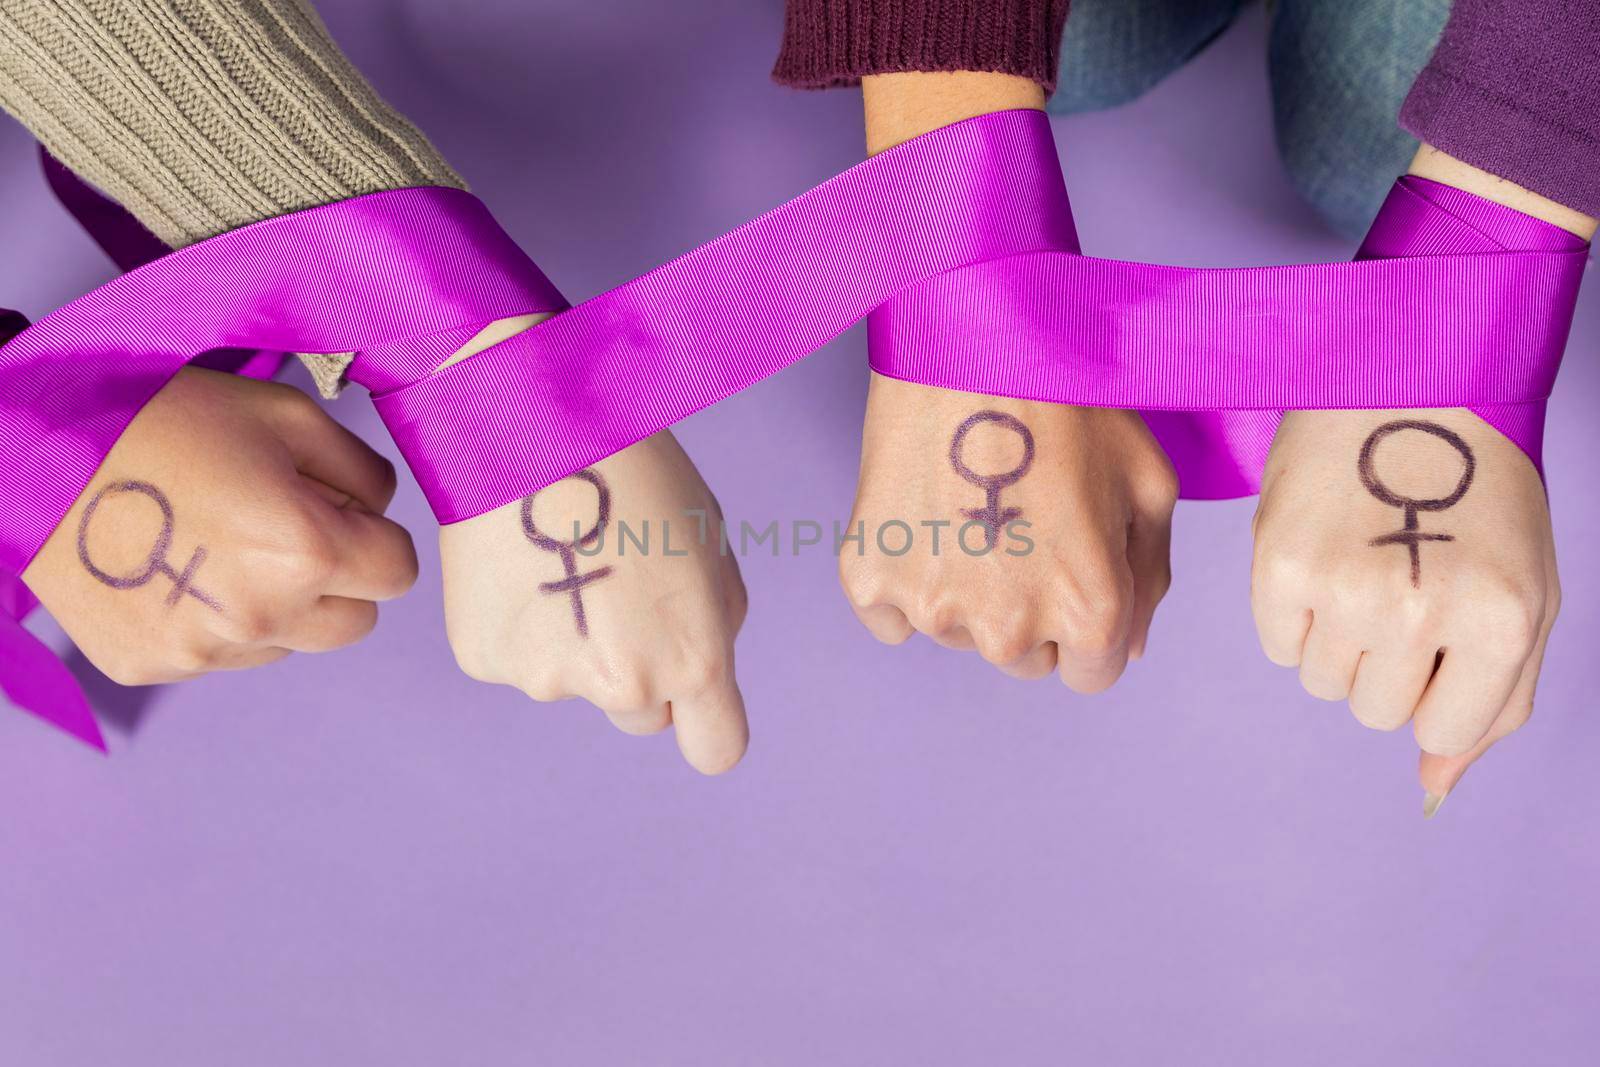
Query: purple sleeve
point(1514, 89)
point(835, 42)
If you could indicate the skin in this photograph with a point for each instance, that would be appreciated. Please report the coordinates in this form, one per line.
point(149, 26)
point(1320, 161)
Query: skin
point(506, 628)
point(276, 540)
point(1098, 495)
point(276, 521)
point(675, 670)
point(1456, 656)
point(1097, 498)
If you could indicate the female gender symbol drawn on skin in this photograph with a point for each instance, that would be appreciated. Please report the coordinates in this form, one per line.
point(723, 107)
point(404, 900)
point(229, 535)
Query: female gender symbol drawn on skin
point(156, 562)
point(1410, 535)
point(574, 582)
point(992, 515)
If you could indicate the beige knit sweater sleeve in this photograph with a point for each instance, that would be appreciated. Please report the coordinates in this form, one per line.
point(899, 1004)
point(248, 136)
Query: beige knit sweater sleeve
point(200, 116)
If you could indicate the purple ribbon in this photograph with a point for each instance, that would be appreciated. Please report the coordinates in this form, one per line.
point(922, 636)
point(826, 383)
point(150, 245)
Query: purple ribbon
point(960, 247)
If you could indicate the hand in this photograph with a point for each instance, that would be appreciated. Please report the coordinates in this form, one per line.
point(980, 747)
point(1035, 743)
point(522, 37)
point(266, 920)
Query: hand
point(550, 595)
point(232, 523)
point(1434, 614)
point(1053, 527)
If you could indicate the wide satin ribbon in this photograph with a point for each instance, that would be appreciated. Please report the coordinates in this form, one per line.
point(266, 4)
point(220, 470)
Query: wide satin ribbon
point(960, 246)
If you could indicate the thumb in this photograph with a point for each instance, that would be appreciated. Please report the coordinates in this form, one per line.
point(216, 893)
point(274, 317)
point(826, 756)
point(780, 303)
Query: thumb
point(711, 726)
point(1439, 775)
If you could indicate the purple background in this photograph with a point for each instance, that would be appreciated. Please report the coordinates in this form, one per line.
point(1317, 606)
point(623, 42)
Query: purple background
point(367, 858)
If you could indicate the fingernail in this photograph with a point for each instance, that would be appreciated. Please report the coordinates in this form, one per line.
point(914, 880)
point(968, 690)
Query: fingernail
point(1430, 804)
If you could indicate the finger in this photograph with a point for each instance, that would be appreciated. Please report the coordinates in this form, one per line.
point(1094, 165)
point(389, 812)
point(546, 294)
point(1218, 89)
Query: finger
point(226, 658)
point(332, 622)
point(1282, 624)
point(957, 637)
point(736, 596)
point(1036, 664)
point(324, 450)
point(1092, 638)
point(1091, 672)
point(243, 659)
point(376, 559)
point(1389, 684)
point(1009, 640)
point(886, 622)
point(640, 722)
point(1329, 661)
point(1150, 558)
point(1464, 698)
point(712, 729)
point(544, 688)
point(1439, 775)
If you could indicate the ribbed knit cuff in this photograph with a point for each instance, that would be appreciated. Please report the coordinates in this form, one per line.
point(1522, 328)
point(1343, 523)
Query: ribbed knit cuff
point(201, 116)
point(1514, 89)
point(834, 42)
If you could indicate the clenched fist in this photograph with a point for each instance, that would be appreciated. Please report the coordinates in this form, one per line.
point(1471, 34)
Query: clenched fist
point(232, 523)
point(611, 585)
point(1404, 563)
point(1035, 533)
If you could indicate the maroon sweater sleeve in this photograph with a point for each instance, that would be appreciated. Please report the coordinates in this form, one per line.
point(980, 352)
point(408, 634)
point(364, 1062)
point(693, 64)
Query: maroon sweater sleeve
point(1514, 89)
point(835, 42)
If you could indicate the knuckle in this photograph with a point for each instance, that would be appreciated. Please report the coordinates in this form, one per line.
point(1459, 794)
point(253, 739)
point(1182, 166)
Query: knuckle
point(1160, 485)
point(305, 559)
point(1161, 583)
point(940, 614)
point(247, 626)
point(305, 571)
point(1513, 613)
point(126, 669)
point(540, 688)
point(293, 402)
point(1093, 642)
point(191, 658)
point(389, 481)
point(407, 568)
point(1281, 567)
point(702, 669)
point(1098, 623)
point(1002, 643)
point(1515, 719)
point(363, 619)
point(1412, 613)
point(738, 604)
point(861, 582)
point(622, 691)
point(474, 660)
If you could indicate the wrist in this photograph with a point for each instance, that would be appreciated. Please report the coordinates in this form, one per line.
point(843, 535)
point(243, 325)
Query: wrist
point(1431, 163)
point(901, 106)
